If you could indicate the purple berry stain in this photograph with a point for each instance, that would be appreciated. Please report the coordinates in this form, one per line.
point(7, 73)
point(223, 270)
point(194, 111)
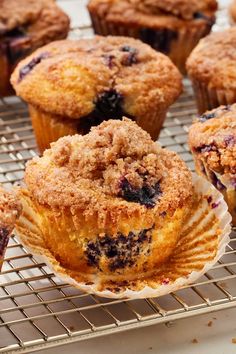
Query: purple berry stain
point(29, 67)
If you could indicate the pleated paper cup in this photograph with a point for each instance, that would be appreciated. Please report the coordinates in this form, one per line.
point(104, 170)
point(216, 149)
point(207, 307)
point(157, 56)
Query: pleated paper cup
point(208, 97)
point(202, 243)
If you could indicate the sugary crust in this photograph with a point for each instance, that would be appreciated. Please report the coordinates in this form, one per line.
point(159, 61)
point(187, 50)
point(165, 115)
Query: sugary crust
point(153, 13)
point(212, 62)
point(9, 210)
point(42, 20)
point(85, 173)
point(215, 139)
point(76, 72)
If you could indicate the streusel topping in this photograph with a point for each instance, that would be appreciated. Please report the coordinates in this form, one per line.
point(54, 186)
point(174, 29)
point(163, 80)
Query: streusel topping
point(183, 8)
point(213, 60)
point(116, 166)
point(9, 210)
point(142, 11)
point(213, 135)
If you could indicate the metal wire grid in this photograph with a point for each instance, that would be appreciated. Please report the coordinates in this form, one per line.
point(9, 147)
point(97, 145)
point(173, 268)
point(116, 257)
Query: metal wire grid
point(38, 310)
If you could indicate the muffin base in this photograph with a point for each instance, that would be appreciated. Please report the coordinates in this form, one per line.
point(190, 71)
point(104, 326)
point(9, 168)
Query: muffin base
point(50, 127)
point(208, 98)
point(202, 242)
point(80, 245)
point(162, 39)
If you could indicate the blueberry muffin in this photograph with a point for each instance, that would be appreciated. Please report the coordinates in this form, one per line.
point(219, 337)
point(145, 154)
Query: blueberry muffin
point(212, 140)
point(173, 27)
point(111, 202)
point(9, 212)
point(73, 85)
point(212, 70)
point(24, 26)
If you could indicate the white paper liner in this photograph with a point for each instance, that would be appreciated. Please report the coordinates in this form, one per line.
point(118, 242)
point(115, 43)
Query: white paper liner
point(201, 251)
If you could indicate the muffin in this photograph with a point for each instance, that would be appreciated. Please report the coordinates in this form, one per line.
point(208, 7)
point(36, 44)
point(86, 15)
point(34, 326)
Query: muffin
point(172, 27)
point(232, 12)
point(106, 205)
point(9, 212)
point(212, 70)
point(72, 85)
point(212, 140)
point(24, 26)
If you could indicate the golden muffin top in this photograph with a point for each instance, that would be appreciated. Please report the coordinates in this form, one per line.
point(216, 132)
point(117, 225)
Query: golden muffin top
point(115, 168)
point(109, 75)
point(213, 135)
point(213, 60)
point(38, 20)
point(9, 212)
point(142, 11)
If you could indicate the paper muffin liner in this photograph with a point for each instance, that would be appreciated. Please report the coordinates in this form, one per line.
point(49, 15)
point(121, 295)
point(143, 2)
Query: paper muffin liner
point(178, 47)
point(49, 127)
point(208, 98)
point(224, 183)
point(6, 69)
point(203, 240)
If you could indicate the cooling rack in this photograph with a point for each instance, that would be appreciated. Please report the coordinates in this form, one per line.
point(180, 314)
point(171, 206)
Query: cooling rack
point(38, 310)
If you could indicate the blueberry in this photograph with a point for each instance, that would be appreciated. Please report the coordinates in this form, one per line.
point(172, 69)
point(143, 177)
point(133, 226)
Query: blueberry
point(206, 117)
point(131, 58)
point(159, 39)
point(230, 140)
point(202, 16)
point(28, 67)
point(108, 59)
point(109, 105)
point(121, 251)
point(144, 196)
point(206, 148)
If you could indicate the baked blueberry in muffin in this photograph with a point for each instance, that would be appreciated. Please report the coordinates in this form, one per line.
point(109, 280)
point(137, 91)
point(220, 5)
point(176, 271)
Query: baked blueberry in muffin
point(9, 212)
point(212, 140)
point(24, 26)
point(84, 82)
point(111, 202)
point(173, 27)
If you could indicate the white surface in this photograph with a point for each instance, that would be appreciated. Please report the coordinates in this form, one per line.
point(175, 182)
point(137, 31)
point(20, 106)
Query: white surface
point(161, 339)
point(176, 339)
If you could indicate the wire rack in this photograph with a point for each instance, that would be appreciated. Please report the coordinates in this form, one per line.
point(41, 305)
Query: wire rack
point(38, 310)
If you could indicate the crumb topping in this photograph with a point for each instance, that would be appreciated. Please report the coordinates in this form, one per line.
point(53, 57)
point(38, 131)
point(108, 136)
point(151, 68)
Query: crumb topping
point(183, 8)
point(88, 172)
point(213, 60)
point(77, 76)
point(9, 210)
point(178, 11)
point(213, 136)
